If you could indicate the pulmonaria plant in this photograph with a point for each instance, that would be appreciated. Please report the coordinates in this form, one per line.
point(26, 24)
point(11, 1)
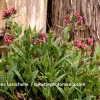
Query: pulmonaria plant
point(41, 38)
point(8, 37)
point(72, 21)
point(8, 40)
point(8, 13)
point(83, 44)
point(90, 41)
point(76, 18)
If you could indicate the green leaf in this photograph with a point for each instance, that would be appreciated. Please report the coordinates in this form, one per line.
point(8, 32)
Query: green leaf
point(34, 30)
point(97, 49)
point(34, 74)
point(58, 40)
point(66, 32)
point(18, 74)
point(71, 90)
point(69, 62)
point(41, 30)
point(62, 92)
point(6, 93)
point(18, 51)
point(32, 61)
point(12, 88)
point(60, 26)
point(10, 76)
point(56, 52)
point(47, 93)
point(15, 16)
point(18, 30)
point(57, 73)
point(60, 78)
point(28, 31)
point(8, 22)
point(62, 60)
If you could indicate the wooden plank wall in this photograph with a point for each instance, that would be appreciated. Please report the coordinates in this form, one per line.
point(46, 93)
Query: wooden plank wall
point(32, 12)
point(3, 6)
point(89, 9)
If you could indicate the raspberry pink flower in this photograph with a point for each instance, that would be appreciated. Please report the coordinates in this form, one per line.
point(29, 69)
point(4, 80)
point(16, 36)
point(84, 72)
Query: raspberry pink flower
point(41, 38)
point(5, 37)
point(81, 17)
point(8, 39)
point(90, 41)
point(12, 10)
point(8, 13)
point(46, 36)
point(40, 41)
point(67, 18)
point(76, 14)
point(77, 44)
point(43, 35)
point(83, 46)
point(79, 21)
point(31, 40)
point(35, 42)
point(6, 44)
point(75, 18)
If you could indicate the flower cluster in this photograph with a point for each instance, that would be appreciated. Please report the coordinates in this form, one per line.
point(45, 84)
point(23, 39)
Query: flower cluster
point(78, 18)
point(8, 13)
point(75, 18)
point(8, 39)
point(67, 19)
point(41, 39)
point(83, 44)
point(79, 44)
point(90, 41)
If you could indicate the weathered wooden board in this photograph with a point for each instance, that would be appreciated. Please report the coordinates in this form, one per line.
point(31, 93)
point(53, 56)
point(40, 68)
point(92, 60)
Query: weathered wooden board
point(32, 12)
point(89, 9)
point(2, 8)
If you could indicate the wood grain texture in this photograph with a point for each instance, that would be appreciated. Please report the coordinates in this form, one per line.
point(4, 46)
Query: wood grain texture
point(32, 12)
point(3, 6)
point(89, 9)
point(29, 12)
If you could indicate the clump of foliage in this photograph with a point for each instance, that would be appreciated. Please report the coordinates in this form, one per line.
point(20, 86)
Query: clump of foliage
point(38, 66)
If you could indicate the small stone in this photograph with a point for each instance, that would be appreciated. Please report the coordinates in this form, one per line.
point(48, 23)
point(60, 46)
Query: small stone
point(7, 68)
